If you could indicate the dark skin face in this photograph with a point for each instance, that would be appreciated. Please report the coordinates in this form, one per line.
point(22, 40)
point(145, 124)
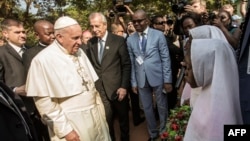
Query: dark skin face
point(224, 18)
point(45, 32)
point(140, 21)
point(189, 75)
point(187, 25)
point(159, 24)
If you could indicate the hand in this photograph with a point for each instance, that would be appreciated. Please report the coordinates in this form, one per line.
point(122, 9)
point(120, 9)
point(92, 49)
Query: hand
point(121, 93)
point(135, 90)
point(20, 90)
point(190, 8)
point(168, 87)
point(72, 136)
point(217, 22)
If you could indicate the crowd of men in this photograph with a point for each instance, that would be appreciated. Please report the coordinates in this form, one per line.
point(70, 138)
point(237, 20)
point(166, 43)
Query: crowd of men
point(73, 83)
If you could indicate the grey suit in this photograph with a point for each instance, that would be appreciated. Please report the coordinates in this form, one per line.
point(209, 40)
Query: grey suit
point(150, 73)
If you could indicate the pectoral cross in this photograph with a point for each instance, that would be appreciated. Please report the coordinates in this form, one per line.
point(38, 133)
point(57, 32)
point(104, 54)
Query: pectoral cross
point(85, 83)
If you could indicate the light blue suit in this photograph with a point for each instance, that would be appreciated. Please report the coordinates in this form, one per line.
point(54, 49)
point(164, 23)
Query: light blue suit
point(151, 75)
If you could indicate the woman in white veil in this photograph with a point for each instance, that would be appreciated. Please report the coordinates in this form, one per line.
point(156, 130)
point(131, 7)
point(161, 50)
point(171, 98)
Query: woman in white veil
point(211, 65)
point(202, 32)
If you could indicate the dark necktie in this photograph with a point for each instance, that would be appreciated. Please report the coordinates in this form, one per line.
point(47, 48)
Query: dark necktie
point(100, 51)
point(143, 42)
point(22, 50)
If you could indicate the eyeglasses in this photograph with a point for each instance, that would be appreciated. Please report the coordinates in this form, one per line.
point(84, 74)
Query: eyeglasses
point(161, 23)
point(138, 21)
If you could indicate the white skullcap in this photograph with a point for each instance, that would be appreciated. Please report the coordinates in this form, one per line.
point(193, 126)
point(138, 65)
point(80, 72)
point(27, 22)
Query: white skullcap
point(64, 21)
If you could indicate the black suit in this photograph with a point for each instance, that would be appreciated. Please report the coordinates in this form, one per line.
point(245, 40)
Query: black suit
point(12, 127)
point(244, 76)
point(176, 56)
point(84, 48)
point(114, 72)
point(29, 54)
point(42, 130)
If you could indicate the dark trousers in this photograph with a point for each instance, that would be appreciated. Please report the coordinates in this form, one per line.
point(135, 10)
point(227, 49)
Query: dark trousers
point(40, 128)
point(135, 105)
point(172, 99)
point(119, 108)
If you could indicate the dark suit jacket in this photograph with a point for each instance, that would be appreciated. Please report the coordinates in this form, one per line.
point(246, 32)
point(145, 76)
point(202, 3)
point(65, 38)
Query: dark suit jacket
point(243, 67)
point(11, 127)
point(114, 71)
point(12, 72)
point(84, 47)
point(29, 54)
point(11, 67)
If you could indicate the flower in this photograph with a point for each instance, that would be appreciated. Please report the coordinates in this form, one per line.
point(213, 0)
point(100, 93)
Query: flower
point(177, 123)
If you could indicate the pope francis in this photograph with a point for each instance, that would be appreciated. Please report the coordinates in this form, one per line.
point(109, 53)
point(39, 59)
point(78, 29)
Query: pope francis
point(61, 80)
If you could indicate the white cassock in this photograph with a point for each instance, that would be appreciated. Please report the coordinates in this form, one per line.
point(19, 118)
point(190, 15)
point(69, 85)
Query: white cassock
point(55, 80)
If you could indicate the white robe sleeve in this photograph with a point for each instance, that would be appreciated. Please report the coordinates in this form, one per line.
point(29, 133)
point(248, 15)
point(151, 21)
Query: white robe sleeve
point(53, 115)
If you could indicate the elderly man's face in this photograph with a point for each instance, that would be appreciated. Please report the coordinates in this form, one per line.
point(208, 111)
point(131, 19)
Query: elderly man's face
point(70, 38)
point(98, 26)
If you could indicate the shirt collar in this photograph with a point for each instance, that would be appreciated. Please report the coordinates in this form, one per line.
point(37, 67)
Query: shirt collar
point(17, 48)
point(43, 45)
point(145, 31)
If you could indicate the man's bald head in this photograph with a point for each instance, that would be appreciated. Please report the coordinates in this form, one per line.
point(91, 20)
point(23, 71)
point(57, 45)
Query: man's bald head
point(44, 31)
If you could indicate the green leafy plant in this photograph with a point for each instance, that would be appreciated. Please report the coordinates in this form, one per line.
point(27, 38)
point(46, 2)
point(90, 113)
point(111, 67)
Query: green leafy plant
point(177, 123)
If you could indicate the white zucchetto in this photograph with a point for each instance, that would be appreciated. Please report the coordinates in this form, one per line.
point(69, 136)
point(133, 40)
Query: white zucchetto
point(64, 21)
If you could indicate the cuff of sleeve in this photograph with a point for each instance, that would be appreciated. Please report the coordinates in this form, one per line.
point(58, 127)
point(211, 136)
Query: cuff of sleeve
point(63, 131)
point(14, 89)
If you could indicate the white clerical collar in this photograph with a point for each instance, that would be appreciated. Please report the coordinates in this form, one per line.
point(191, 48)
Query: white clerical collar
point(43, 44)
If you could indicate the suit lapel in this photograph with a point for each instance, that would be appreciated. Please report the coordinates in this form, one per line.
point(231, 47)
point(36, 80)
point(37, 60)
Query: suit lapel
point(95, 49)
point(107, 45)
point(2, 101)
point(149, 39)
point(245, 39)
point(13, 52)
point(137, 42)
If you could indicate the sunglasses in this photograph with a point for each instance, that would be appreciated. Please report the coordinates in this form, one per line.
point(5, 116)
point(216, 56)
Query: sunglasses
point(161, 23)
point(138, 21)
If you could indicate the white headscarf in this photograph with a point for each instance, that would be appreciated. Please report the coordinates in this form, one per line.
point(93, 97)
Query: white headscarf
point(208, 32)
point(215, 71)
point(203, 32)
